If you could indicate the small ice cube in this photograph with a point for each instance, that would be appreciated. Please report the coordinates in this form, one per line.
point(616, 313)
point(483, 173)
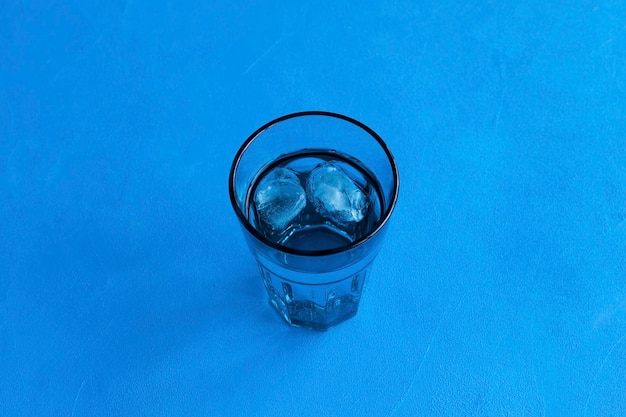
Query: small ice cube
point(335, 195)
point(279, 198)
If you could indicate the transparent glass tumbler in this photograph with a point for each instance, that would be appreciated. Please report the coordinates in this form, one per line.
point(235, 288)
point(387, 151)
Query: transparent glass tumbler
point(314, 274)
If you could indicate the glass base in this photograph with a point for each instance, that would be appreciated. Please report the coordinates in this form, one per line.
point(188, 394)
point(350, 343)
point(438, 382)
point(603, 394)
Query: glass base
point(314, 316)
point(317, 307)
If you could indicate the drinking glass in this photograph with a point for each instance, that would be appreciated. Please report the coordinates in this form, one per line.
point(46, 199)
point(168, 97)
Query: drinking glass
point(313, 192)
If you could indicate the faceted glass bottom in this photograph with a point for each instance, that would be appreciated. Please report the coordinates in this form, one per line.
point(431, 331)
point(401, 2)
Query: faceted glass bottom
point(317, 307)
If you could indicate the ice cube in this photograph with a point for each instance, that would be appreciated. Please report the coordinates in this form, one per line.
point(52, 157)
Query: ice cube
point(279, 198)
point(335, 195)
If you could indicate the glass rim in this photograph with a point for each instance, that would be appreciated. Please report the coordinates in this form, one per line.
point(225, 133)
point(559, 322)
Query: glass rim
point(323, 252)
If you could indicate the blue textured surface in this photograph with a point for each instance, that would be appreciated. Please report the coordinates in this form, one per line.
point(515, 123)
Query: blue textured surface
point(125, 284)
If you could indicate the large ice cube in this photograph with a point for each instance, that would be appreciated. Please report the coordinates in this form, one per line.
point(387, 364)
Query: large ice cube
point(279, 198)
point(335, 195)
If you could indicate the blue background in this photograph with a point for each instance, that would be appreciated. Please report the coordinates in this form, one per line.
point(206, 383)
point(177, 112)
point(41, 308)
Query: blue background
point(126, 288)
